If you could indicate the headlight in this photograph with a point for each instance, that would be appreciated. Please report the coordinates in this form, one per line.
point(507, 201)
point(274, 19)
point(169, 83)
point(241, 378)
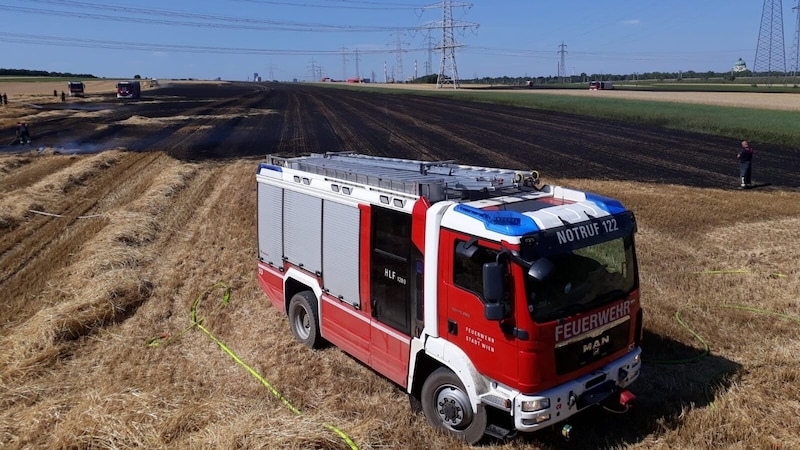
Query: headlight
point(535, 405)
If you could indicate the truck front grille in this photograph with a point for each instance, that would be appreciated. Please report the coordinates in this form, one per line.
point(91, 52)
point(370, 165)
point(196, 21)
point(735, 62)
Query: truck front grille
point(591, 346)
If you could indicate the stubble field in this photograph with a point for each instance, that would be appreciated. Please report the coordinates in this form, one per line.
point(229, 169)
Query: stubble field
point(102, 252)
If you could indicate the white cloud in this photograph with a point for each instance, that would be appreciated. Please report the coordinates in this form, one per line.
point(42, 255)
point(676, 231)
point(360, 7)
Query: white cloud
point(159, 54)
point(632, 22)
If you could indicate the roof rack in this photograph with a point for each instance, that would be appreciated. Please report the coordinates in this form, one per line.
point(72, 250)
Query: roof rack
point(436, 180)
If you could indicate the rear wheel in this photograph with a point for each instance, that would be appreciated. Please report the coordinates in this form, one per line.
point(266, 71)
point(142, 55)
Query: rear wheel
point(303, 319)
point(446, 405)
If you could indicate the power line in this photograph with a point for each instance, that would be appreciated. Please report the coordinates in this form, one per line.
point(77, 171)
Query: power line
point(370, 6)
point(62, 41)
point(225, 22)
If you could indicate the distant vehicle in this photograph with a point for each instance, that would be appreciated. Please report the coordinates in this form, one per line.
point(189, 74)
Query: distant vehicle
point(600, 85)
point(75, 88)
point(129, 89)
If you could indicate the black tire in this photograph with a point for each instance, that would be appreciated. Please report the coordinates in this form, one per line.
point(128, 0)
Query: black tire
point(446, 405)
point(303, 319)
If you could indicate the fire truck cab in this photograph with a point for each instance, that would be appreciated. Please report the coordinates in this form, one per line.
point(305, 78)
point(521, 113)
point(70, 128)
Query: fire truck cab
point(501, 305)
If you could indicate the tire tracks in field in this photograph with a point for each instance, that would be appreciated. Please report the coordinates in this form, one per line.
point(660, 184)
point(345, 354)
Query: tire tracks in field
point(601, 149)
point(293, 137)
point(168, 137)
point(417, 134)
point(32, 172)
point(380, 130)
point(224, 131)
point(33, 254)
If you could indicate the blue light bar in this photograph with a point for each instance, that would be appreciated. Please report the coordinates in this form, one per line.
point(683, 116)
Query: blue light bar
point(509, 223)
point(610, 205)
point(269, 167)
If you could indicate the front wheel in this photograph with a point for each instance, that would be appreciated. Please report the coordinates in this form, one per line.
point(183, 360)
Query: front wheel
point(446, 405)
point(303, 319)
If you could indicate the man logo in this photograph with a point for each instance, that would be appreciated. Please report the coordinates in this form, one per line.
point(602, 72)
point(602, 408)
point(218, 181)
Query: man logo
point(595, 345)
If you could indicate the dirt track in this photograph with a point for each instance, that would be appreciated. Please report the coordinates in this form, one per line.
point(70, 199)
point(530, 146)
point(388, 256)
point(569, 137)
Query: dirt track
point(101, 251)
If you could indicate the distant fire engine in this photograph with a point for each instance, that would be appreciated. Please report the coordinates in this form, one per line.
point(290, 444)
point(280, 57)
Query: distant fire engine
point(75, 88)
point(499, 304)
point(129, 89)
point(600, 85)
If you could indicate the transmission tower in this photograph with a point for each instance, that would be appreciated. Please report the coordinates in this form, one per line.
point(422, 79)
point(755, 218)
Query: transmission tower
point(429, 42)
point(344, 63)
point(448, 71)
point(796, 54)
point(316, 71)
point(358, 71)
point(770, 54)
point(397, 70)
point(562, 68)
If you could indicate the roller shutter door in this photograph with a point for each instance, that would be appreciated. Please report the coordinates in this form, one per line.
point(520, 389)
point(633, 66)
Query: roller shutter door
point(340, 266)
point(270, 224)
point(302, 230)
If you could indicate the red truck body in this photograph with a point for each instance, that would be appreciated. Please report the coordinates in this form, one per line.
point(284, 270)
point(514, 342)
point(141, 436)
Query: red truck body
point(472, 288)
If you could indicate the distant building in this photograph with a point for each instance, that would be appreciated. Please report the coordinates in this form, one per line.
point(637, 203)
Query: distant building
point(740, 66)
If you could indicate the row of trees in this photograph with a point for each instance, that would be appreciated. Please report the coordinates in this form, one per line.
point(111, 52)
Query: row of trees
point(42, 73)
point(585, 78)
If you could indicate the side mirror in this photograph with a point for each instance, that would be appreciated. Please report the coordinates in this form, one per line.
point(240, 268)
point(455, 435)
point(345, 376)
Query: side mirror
point(493, 277)
point(494, 291)
point(541, 269)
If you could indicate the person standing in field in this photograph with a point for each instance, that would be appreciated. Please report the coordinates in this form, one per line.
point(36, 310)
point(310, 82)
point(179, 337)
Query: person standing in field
point(745, 157)
point(23, 133)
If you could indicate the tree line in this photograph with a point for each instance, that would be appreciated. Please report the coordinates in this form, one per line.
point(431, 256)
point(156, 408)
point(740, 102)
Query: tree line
point(585, 78)
point(42, 73)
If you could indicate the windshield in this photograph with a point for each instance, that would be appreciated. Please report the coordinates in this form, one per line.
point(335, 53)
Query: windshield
point(583, 279)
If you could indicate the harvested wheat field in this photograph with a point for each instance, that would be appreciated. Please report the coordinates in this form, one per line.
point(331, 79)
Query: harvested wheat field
point(122, 215)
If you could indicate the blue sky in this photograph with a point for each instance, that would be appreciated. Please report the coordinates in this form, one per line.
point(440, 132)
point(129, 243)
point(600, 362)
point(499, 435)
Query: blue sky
point(292, 39)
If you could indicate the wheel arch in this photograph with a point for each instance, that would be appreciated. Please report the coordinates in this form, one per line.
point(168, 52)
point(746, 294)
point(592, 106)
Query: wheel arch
point(296, 281)
point(440, 353)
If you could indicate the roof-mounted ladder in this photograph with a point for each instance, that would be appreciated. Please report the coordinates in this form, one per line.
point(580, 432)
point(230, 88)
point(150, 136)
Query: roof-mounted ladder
point(436, 180)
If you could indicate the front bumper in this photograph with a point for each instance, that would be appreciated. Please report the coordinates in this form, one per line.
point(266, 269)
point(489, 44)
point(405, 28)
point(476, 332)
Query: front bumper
point(576, 395)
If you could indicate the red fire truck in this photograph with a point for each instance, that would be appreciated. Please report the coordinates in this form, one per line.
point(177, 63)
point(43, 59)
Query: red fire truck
point(499, 304)
point(75, 88)
point(129, 89)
